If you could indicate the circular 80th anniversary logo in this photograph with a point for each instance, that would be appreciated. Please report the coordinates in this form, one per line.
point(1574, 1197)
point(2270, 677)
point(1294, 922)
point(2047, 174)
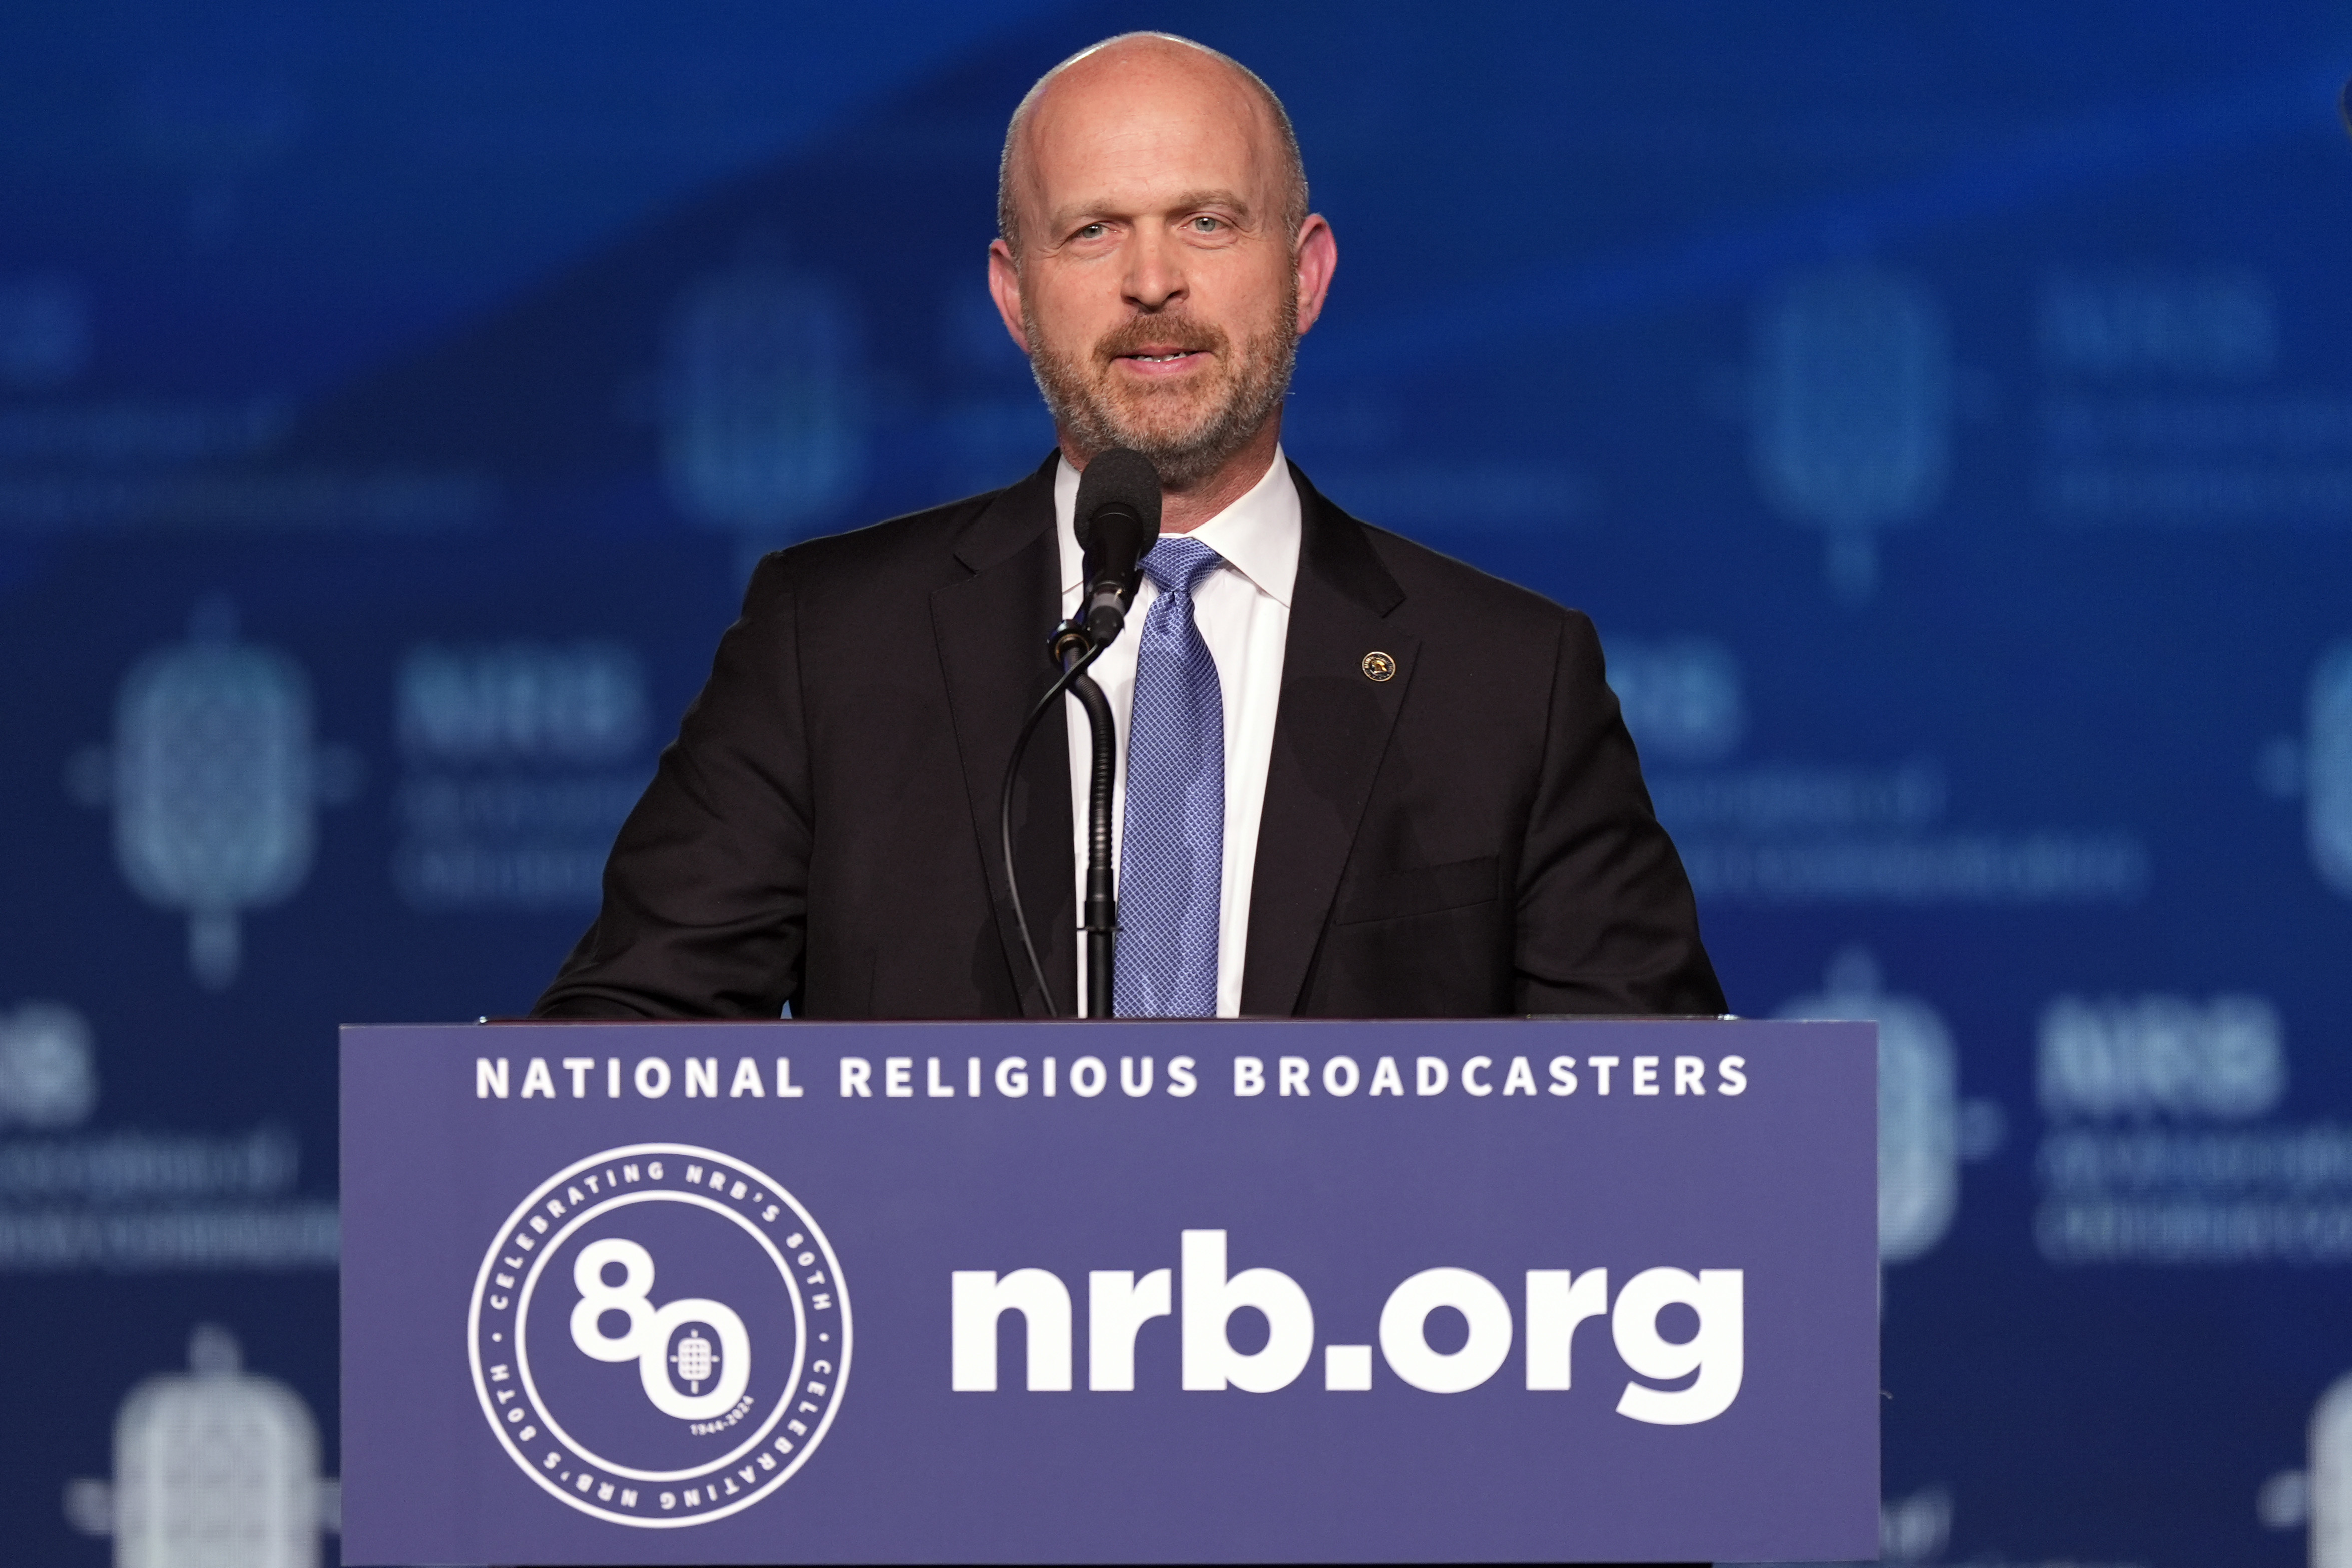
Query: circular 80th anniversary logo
point(660, 1335)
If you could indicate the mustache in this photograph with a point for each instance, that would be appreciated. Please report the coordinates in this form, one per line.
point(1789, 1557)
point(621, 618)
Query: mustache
point(1162, 333)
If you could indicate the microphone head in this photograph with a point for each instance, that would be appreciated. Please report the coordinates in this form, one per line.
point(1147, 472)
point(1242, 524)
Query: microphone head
point(1123, 479)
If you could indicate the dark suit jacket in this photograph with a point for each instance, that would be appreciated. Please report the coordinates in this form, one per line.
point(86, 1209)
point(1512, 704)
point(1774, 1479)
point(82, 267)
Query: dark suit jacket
point(1468, 838)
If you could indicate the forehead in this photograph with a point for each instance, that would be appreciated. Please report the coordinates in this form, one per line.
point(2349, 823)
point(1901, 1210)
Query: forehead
point(1122, 132)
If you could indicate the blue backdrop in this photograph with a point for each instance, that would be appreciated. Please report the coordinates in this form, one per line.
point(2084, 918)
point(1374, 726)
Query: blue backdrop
point(1942, 410)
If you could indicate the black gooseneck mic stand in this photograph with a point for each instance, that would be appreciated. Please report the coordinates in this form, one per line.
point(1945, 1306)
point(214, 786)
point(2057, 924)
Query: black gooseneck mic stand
point(1073, 649)
point(1099, 919)
point(1117, 520)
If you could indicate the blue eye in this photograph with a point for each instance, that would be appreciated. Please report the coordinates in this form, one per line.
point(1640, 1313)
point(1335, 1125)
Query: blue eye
point(1205, 225)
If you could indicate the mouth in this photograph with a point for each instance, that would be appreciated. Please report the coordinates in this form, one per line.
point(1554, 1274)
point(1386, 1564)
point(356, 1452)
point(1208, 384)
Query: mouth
point(1161, 359)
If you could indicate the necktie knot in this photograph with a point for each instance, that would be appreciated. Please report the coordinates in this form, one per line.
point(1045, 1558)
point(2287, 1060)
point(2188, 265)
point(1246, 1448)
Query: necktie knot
point(1178, 563)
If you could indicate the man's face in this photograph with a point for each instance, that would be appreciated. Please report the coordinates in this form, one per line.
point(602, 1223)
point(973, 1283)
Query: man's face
point(1157, 293)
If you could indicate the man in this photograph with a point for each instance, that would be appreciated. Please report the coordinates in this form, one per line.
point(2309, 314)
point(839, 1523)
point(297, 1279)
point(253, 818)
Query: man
point(1361, 779)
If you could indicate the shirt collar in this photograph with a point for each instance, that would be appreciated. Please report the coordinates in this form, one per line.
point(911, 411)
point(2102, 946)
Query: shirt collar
point(1259, 534)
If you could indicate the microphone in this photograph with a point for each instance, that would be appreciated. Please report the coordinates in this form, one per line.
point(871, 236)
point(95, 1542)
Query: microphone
point(1118, 519)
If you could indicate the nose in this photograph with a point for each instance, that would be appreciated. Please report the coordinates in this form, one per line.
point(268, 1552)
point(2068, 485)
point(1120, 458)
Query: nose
point(1155, 272)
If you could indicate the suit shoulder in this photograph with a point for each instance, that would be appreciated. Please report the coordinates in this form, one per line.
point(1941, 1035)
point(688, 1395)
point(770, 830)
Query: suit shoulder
point(918, 540)
point(1436, 583)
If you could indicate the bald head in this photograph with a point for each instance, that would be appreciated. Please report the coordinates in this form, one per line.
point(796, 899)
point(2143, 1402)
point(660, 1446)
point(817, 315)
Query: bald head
point(1157, 263)
point(1082, 88)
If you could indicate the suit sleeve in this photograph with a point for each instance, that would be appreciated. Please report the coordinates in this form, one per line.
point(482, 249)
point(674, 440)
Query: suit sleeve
point(1606, 920)
point(706, 894)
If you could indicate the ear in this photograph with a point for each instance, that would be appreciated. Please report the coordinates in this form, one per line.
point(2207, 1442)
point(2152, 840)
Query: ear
point(1004, 287)
point(1318, 258)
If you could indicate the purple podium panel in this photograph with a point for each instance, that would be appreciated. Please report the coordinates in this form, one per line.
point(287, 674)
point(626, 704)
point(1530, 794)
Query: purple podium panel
point(757, 1293)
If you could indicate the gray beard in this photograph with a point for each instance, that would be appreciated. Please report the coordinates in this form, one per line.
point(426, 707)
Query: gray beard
point(1092, 422)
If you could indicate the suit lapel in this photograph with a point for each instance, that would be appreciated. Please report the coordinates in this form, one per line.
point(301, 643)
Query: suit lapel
point(1331, 729)
point(991, 628)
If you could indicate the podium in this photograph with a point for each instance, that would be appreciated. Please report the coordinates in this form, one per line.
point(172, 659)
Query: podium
point(1131, 1292)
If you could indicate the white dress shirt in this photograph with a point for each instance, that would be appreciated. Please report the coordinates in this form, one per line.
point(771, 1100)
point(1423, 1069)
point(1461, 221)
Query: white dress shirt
point(1243, 610)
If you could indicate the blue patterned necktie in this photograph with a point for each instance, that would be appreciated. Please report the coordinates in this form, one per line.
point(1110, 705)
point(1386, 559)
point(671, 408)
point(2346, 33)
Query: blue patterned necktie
point(1172, 863)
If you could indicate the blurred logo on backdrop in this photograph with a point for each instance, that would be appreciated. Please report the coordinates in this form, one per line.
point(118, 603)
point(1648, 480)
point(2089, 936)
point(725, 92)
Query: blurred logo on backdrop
point(1924, 1129)
point(79, 461)
point(1683, 697)
point(521, 760)
point(660, 1335)
point(216, 780)
point(48, 1071)
point(1850, 410)
point(1784, 835)
point(2159, 1147)
point(2321, 1496)
point(2159, 409)
point(764, 433)
point(2317, 766)
point(214, 1468)
point(126, 1201)
point(2328, 752)
point(2318, 1497)
point(44, 332)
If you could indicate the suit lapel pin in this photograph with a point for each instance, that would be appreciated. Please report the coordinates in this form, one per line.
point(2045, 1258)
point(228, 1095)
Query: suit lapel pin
point(1378, 666)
